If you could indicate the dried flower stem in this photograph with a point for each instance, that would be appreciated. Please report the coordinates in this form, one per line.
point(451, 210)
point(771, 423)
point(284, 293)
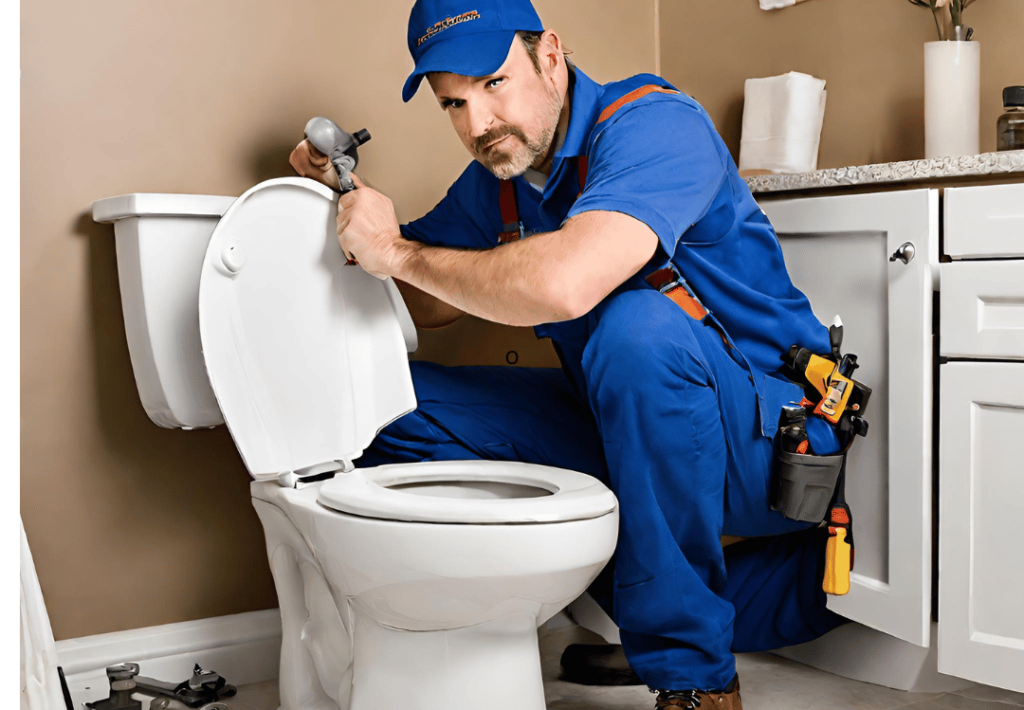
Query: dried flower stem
point(935, 17)
point(943, 20)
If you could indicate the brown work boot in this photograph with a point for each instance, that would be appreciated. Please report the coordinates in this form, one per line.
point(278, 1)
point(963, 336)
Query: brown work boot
point(597, 664)
point(728, 699)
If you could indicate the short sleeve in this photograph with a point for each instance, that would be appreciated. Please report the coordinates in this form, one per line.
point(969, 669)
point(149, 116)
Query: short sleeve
point(660, 162)
point(465, 217)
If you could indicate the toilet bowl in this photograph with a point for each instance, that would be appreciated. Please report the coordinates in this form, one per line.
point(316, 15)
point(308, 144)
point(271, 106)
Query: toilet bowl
point(414, 586)
point(443, 614)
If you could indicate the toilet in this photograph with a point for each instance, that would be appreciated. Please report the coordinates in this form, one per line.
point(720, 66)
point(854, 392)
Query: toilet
point(415, 586)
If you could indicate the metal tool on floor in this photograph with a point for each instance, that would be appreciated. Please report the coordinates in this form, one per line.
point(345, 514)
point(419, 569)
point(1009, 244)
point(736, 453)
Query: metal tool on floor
point(204, 689)
point(122, 685)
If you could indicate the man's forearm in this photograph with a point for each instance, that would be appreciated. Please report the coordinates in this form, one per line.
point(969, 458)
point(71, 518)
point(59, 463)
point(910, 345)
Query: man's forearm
point(546, 278)
point(523, 283)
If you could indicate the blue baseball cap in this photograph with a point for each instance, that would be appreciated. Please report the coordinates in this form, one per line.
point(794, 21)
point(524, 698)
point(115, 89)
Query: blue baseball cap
point(467, 37)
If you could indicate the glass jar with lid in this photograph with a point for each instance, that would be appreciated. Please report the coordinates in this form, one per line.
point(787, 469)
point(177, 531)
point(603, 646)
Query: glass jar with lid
point(1010, 127)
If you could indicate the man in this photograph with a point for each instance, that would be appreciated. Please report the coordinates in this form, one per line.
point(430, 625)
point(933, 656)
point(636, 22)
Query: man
point(584, 207)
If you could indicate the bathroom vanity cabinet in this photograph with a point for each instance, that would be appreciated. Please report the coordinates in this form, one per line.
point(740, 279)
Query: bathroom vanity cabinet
point(981, 437)
point(930, 288)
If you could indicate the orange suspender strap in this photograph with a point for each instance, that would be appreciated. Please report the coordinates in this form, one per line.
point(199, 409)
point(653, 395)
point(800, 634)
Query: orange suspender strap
point(632, 96)
point(582, 165)
point(511, 230)
point(511, 227)
point(666, 281)
point(671, 284)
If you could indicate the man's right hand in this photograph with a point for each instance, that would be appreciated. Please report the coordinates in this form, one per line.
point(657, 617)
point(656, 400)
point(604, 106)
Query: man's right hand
point(310, 162)
point(426, 310)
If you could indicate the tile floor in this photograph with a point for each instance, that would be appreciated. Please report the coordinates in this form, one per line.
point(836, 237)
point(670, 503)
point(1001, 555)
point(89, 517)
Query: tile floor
point(769, 683)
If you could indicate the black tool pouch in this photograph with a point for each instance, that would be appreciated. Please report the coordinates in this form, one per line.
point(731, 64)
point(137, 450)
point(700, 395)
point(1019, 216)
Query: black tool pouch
point(803, 485)
point(806, 485)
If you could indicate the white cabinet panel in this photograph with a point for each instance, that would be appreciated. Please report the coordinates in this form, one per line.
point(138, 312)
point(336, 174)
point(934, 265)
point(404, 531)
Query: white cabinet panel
point(981, 505)
point(984, 221)
point(837, 252)
point(983, 309)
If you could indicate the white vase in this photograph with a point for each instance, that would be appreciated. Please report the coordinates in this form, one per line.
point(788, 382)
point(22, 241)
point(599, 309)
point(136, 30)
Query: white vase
point(952, 104)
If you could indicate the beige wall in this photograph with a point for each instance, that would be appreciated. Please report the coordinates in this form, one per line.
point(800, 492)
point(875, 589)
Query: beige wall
point(132, 525)
point(869, 52)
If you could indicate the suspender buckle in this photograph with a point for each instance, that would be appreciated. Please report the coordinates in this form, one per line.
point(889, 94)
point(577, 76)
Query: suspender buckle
point(664, 280)
point(512, 231)
point(669, 287)
point(671, 283)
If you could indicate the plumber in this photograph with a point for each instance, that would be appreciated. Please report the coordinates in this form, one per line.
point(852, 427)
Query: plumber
point(612, 219)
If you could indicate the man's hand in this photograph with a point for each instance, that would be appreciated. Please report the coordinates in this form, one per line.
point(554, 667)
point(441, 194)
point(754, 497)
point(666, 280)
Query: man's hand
point(368, 230)
point(310, 162)
point(427, 311)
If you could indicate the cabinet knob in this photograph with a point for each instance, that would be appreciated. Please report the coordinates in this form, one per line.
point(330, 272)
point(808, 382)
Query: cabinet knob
point(905, 253)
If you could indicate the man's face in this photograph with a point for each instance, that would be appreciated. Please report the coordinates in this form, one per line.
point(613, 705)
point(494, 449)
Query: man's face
point(506, 120)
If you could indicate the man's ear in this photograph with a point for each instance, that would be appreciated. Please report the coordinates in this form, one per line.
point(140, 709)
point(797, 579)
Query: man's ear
point(550, 50)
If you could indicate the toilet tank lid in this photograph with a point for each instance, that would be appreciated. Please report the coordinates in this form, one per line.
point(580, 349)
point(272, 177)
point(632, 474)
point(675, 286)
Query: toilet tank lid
point(152, 204)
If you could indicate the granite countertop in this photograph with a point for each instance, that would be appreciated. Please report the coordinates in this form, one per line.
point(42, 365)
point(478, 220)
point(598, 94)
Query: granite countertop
point(908, 171)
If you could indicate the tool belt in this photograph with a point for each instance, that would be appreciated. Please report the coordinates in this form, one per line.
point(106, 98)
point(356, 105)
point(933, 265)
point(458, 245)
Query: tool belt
point(809, 487)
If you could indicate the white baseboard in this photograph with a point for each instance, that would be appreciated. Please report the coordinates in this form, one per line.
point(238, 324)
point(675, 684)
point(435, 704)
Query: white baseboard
point(857, 652)
point(242, 648)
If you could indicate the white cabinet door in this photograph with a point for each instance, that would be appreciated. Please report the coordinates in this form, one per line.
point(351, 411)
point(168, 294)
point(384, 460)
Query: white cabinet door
point(981, 506)
point(838, 253)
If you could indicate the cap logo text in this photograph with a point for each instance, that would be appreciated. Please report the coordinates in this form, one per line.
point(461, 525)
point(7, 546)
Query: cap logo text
point(446, 23)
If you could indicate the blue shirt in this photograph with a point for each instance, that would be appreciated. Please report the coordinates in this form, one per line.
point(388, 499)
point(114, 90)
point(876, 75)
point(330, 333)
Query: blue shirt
point(660, 160)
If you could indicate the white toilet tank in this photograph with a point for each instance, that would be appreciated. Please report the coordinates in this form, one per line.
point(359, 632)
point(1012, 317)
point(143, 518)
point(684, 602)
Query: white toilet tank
point(161, 243)
point(243, 311)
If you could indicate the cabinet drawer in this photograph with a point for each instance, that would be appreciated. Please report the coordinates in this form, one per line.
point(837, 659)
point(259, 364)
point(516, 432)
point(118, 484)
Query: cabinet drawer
point(982, 309)
point(985, 221)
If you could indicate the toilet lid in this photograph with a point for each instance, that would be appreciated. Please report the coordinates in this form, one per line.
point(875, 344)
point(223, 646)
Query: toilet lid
point(307, 356)
point(478, 492)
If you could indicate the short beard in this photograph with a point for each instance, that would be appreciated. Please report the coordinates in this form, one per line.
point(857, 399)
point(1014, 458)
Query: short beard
point(506, 165)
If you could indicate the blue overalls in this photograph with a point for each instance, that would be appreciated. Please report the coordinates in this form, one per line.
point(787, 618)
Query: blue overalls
point(674, 411)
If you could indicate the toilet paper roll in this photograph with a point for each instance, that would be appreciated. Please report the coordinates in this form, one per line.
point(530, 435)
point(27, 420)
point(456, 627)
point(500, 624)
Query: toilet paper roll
point(777, 4)
point(782, 117)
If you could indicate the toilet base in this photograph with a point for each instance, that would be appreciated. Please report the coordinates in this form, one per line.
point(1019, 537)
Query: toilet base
point(495, 665)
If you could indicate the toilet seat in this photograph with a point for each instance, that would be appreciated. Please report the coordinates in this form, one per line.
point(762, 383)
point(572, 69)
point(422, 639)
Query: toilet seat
point(375, 493)
point(306, 356)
